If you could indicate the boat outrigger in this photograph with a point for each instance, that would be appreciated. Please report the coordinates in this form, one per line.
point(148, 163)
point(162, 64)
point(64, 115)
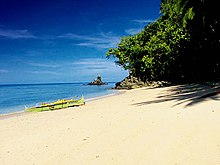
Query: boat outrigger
point(60, 104)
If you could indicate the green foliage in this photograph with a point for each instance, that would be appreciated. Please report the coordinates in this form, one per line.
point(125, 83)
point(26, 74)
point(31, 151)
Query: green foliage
point(164, 49)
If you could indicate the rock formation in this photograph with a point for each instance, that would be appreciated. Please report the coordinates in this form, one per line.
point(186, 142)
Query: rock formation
point(132, 82)
point(98, 81)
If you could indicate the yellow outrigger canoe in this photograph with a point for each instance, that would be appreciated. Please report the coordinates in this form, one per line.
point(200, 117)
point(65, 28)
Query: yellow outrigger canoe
point(60, 104)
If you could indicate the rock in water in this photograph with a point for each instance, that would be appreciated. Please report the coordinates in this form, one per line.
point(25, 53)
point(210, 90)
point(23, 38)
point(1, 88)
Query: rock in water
point(98, 81)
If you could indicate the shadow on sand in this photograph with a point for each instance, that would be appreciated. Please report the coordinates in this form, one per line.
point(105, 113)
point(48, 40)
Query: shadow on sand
point(190, 93)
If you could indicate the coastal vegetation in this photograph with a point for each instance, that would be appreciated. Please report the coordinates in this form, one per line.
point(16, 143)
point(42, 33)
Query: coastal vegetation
point(182, 45)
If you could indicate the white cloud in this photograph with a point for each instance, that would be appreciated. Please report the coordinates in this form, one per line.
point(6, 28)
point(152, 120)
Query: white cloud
point(3, 71)
point(133, 31)
point(44, 72)
point(143, 20)
point(16, 34)
point(141, 23)
point(100, 41)
point(93, 62)
point(91, 67)
point(42, 65)
point(95, 65)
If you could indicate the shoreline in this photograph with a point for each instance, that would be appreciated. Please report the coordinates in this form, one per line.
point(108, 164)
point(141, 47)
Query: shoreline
point(23, 112)
point(12, 114)
point(22, 92)
point(160, 126)
point(117, 92)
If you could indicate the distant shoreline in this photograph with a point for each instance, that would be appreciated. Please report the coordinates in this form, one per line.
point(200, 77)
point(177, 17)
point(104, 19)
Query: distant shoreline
point(14, 84)
point(19, 113)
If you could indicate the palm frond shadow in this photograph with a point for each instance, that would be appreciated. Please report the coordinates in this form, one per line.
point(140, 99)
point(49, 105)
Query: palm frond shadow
point(190, 93)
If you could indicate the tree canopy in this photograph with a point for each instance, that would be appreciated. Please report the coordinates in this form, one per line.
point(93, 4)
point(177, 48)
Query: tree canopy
point(182, 45)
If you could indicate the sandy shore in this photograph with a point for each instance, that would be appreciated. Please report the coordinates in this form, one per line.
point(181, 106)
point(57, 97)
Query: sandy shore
point(177, 125)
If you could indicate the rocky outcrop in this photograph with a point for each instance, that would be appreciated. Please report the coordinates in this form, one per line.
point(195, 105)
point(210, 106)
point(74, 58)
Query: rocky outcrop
point(129, 82)
point(98, 81)
point(132, 82)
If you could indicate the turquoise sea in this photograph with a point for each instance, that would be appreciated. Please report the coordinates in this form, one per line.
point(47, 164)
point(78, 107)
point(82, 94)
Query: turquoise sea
point(14, 98)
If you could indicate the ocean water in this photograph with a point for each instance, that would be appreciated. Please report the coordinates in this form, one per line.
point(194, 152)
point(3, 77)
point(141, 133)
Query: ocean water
point(14, 98)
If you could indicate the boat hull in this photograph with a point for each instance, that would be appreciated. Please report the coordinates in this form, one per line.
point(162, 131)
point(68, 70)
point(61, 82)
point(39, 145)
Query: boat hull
point(60, 104)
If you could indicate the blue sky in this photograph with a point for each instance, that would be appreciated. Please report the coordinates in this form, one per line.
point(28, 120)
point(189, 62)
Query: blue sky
point(47, 41)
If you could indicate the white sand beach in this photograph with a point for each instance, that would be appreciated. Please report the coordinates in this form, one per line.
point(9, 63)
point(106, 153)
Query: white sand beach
point(164, 126)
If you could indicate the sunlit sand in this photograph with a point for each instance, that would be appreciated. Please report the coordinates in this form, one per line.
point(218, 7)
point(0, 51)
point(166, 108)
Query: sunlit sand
point(164, 126)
